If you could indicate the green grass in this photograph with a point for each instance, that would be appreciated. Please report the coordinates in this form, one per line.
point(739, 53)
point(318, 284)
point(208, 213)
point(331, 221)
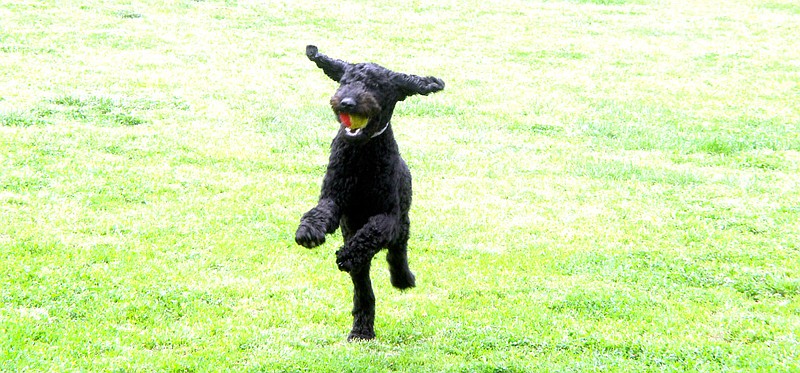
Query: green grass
point(602, 186)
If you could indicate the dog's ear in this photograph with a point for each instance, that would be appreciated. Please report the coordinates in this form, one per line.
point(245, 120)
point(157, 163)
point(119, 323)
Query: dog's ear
point(410, 85)
point(333, 68)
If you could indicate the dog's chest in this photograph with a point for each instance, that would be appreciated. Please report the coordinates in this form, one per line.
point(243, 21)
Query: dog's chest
point(370, 183)
point(370, 177)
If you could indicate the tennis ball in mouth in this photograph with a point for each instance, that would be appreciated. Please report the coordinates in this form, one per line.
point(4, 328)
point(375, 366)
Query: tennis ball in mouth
point(353, 121)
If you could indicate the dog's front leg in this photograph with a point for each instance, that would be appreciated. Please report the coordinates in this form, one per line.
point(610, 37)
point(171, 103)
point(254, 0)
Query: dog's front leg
point(358, 251)
point(320, 220)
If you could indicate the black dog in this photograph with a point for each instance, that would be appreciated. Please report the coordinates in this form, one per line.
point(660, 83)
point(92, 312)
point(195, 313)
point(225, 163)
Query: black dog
point(367, 187)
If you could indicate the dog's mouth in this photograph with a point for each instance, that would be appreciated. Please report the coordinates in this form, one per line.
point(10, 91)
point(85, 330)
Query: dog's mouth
point(353, 123)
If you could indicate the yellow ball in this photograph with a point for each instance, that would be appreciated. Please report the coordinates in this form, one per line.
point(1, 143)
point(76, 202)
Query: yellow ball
point(357, 122)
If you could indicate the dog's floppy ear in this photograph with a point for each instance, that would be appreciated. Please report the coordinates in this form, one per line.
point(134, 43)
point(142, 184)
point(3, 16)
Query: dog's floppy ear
point(416, 85)
point(333, 68)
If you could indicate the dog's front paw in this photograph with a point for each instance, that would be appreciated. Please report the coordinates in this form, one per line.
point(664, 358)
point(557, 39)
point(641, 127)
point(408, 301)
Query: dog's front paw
point(344, 260)
point(309, 236)
point(349, 260)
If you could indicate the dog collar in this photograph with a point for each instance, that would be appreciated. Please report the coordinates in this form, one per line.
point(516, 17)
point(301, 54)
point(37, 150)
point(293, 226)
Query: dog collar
point(381, 131)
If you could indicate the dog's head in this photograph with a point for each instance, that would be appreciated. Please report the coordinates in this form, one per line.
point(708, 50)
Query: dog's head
point(367, 93)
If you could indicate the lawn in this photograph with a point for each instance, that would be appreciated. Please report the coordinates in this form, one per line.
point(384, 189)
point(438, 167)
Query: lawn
point(603, 185)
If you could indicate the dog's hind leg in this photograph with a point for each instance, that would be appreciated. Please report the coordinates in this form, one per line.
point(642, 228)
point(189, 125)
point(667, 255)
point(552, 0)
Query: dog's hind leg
point(397, 257)
point(363, 305)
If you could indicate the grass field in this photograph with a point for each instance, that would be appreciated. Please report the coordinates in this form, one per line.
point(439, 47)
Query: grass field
point(603, 185)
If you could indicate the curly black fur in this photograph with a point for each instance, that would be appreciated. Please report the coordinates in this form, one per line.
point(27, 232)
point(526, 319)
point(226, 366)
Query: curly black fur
point(367, 187)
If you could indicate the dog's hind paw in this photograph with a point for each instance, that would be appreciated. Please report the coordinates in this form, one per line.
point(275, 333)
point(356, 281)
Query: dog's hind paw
point(356, 336)
point(309, 236)
point(402, 280)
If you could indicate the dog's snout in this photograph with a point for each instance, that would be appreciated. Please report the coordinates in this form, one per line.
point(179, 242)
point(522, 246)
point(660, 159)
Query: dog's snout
point(348, 103)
